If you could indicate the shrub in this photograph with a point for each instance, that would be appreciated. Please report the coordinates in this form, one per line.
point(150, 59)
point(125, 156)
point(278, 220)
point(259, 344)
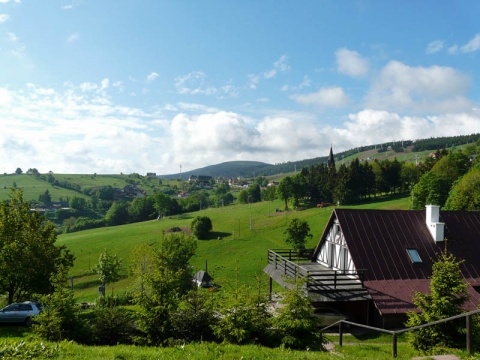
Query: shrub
point(112, 325)
point(201, 227)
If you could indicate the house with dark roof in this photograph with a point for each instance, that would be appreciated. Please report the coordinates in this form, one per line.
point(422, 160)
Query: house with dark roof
point(369, 263)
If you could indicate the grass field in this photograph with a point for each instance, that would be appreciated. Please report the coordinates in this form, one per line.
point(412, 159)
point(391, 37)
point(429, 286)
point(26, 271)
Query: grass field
point(34, 186)
point(21, 341)
point(241, 236)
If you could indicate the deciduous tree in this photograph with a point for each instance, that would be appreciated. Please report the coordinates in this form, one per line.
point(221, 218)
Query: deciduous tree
point(28, 253)
point(201, 227)
point(296, 233)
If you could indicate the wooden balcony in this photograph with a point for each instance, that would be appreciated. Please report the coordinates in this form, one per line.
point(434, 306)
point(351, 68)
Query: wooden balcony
point(320, 282)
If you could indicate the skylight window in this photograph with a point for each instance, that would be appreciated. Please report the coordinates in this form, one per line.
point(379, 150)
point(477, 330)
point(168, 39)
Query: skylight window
point(414, 256)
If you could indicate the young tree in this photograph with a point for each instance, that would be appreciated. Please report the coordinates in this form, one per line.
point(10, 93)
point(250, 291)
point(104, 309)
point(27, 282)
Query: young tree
point(108, 268)
point(448, 292)
point(244, 317)
point(295, 322)
point(60, 318)
point(165, 275)
point(296, 233)
point(201, 227)
point(194, 317)
point(28, 253)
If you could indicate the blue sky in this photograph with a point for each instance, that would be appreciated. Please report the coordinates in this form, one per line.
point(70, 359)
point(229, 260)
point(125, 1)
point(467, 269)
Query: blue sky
point(142, 86)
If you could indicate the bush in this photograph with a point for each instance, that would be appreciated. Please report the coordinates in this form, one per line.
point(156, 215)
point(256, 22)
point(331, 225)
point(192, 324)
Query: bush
point(112, 325)
point(201, 227)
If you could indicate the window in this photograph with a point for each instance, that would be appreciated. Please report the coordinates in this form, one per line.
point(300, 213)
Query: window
point(414, 256)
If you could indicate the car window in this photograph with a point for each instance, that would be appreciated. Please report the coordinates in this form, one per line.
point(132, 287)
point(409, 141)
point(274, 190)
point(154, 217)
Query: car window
point(11, 307)
point(26, 307)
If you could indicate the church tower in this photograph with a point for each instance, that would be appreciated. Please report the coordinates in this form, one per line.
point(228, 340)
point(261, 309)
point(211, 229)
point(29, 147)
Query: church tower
point(331, 160)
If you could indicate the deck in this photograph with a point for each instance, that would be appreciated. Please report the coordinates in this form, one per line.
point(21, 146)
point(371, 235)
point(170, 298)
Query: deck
point(320, 282)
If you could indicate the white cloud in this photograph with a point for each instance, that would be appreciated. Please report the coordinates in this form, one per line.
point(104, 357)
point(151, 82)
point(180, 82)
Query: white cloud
point(426, 89)
point(4, 17)
point(434, 47)
point(472, 45)
point(323, 98)
point(453, 49)
point(80, 129)
point(371, 126)
point(307, 82)
point(5, 97)
point(73, 37)
point(152, 76)
point(351, 63)
point(279, 66)
point(193, 84)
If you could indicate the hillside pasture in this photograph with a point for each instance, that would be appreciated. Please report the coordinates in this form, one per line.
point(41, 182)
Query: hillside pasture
point(241, 236)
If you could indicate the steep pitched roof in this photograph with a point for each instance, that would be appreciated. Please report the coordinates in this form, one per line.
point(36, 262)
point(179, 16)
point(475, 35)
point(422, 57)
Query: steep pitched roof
point(203, 276)
point(378, 241)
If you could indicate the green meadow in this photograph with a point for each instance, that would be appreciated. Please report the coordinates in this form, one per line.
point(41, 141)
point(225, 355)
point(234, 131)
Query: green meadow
point(241, 236)
point(33, 187)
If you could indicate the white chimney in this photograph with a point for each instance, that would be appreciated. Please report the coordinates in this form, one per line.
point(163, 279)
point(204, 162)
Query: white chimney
point(436, 228)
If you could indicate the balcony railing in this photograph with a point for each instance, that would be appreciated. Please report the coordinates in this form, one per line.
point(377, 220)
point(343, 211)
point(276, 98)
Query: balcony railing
point(292, 263)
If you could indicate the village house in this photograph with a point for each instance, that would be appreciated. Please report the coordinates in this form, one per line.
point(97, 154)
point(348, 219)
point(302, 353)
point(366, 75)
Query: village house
point(369, 263)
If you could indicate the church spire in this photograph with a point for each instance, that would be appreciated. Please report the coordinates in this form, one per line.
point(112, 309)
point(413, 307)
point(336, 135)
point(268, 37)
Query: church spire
point(331, 160)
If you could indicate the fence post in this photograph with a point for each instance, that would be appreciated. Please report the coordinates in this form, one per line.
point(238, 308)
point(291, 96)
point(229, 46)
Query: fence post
point(394, 345)
point(468, 318)
point(340, 334)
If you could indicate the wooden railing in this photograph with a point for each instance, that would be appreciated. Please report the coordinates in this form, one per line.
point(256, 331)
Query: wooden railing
point(395, 333)
point(289, 263)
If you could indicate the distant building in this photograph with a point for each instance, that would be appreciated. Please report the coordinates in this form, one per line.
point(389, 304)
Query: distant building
point(151, 174)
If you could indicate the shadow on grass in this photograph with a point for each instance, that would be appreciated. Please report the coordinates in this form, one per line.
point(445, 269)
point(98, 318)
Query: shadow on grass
point(90, 283)
point(217, 235)
point(14, 331)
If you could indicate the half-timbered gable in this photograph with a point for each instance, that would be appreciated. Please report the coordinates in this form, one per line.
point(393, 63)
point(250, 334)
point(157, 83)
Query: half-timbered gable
point(334, 250)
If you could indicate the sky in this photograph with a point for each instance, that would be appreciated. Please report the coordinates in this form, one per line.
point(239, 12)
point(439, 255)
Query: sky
point(137, 86)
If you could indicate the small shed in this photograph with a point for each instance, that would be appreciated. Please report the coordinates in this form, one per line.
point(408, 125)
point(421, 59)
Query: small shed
point(203, 279)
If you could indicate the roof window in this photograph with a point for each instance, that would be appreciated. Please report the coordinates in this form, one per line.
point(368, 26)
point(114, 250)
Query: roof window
point(414, 256)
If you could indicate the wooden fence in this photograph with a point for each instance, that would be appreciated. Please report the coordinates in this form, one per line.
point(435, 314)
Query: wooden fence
point(395, 333)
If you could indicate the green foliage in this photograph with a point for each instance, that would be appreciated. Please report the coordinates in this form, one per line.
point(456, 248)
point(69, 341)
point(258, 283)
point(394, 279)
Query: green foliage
point(243, 316)
point(201, 227)
point(30, 349)
point(465, 193)
point(112, 325)
point(295, 322)
point(448, 292)
point(108, 267)
point(193, 319)
point(431, 189)
point(296, 233)
point(285, 189)
point(60, 318)
point(164, 275)
point(117, 214)
point(28, 253)
point(45, 198)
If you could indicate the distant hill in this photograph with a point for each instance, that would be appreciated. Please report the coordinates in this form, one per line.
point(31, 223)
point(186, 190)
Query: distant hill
point(402, 150)
point(229, 169)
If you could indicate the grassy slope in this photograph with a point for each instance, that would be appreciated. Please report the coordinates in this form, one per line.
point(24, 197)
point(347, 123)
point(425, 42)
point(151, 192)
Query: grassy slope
point(238, 243)
point(32, 187)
